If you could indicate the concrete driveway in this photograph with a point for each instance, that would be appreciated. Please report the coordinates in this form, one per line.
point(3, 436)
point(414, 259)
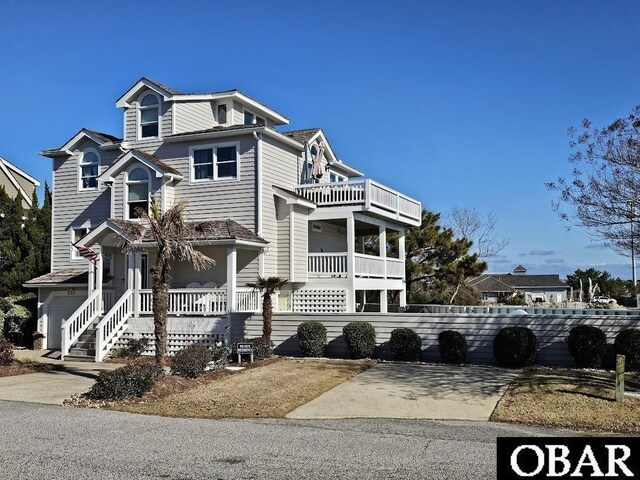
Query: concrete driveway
point(53, 387)
point(415, 391)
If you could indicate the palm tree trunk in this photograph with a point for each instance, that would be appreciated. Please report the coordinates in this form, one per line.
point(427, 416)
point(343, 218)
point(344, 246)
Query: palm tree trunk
point(160, 307)
point(266, 315)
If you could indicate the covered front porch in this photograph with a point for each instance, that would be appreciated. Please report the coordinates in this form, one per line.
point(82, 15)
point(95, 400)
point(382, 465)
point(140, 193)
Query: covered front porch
point(120, 281)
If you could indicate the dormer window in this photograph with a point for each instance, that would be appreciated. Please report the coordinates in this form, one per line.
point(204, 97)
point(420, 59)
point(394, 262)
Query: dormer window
point(251, 118)
point(137, 192)
point(222, 113)
point(149, 116)
point(89, 164)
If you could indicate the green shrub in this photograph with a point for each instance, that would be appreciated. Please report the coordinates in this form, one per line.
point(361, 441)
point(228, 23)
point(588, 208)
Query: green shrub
point(360, 338)
point(313, 338)
point(6, 352)
point(405, 345)
point(191, 362)
point(220, 355)
point(587, 345)
point(515, 347)
point(134, 348)
point(453, 347)
point(262, 347)
point(125, 382)
point(628, 344)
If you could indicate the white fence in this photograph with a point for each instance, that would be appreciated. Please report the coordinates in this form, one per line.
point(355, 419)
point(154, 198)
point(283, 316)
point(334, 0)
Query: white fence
point(197, 301)
point(328, 264)
point(335, 265)
point(479, 330)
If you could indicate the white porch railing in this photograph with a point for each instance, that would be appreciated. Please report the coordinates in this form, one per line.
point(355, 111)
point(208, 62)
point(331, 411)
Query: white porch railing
point(108, 299)
point(395, 268)
point(336, 265)
point(113, 324)
point(369, 266)
point(363, 192)
point(248, 300)
point(197, 301)
point(328, 264)
point(79, 321)
point(187, 301)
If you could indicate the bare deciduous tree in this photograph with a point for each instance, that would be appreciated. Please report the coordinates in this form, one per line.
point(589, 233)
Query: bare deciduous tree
point(471, 224)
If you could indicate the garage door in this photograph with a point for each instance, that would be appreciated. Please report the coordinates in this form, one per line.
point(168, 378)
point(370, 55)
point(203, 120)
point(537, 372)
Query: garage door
point(60, 309)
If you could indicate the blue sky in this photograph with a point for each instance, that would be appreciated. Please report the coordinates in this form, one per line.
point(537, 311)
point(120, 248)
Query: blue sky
point(455, 103)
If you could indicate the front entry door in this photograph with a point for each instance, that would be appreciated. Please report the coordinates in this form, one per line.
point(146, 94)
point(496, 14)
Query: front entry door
point(144, 271)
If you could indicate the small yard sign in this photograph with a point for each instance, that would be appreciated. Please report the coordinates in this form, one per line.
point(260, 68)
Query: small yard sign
point(244, 348)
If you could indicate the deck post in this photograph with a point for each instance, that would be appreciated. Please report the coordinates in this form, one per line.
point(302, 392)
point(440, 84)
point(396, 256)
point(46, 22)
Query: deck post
point(232, 265)
point(383, 301)
point(403, 256)
point(382, 237)
point(98, 280)
point(137, 280)
point(351, 263)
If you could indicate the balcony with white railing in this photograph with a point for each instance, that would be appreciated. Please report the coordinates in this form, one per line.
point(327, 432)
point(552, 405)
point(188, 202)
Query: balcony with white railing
point(332, 265)
point(371, 195)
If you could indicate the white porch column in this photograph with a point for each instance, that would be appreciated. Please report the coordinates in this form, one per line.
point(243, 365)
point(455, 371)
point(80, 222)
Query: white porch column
point(137, 281)
point(351, 263)
point(382, 245)
point(403, 256)
point(232, 265)
point(383, 301)
point(98, 278)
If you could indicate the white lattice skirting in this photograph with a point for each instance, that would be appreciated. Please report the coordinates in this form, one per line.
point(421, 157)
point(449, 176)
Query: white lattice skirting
point(181, 332)
point(320, 301)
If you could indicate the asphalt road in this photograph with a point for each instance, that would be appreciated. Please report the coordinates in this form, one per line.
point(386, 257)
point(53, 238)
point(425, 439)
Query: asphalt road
point(45, 441)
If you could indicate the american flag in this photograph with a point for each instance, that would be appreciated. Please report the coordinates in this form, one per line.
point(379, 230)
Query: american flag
point(88, 253)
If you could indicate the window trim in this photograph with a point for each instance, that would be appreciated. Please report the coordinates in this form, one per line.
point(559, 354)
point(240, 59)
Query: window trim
point(139, 109)
point(75, 255)
point(340, 177)
point(126, 189)
point(81, 164)
point(214, 147)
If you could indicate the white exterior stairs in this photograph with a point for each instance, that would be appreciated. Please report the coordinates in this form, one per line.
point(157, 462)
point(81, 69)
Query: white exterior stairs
point(84, 349)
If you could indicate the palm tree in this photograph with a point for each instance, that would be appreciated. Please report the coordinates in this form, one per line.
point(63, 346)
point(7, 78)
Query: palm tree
point(268, 286)
point(169, 231)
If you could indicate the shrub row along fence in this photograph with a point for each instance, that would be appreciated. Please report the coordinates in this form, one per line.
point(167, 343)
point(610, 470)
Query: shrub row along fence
point(479, 330)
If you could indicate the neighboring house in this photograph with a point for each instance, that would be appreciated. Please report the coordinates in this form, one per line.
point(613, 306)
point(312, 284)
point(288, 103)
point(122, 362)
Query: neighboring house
point(547, 289)
point(260, 202)
point(17, 182)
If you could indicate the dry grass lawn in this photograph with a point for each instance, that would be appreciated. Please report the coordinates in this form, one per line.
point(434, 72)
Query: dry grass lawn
point(572, 399)
point(23, 367)
point(269, 391)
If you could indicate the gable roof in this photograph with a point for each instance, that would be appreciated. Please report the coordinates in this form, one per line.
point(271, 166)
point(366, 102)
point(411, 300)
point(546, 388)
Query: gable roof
point(309, 135)
point(10, 170)
point(171, 95)
point(100, 138)
point(487, 281)
point(154, 163)
point(519, 269)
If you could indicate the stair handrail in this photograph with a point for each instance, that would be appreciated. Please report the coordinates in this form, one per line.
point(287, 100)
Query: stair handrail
point(112, 323)
point(79, 321)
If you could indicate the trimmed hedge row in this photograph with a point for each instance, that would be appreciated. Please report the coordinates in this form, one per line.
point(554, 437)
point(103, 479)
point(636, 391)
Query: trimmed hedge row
point(513, 347)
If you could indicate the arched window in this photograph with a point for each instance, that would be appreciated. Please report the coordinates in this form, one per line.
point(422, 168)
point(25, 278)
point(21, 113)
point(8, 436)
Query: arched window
point(149, 116)
point(89, 163)
point(137, 192)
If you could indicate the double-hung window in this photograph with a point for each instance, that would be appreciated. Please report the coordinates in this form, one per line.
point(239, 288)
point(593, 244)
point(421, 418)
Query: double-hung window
point(149, 116)
point(222, 113)
point(137, 192)
point(214, 162)
point(89, 163)
point(251, 118)
point(336, 177)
